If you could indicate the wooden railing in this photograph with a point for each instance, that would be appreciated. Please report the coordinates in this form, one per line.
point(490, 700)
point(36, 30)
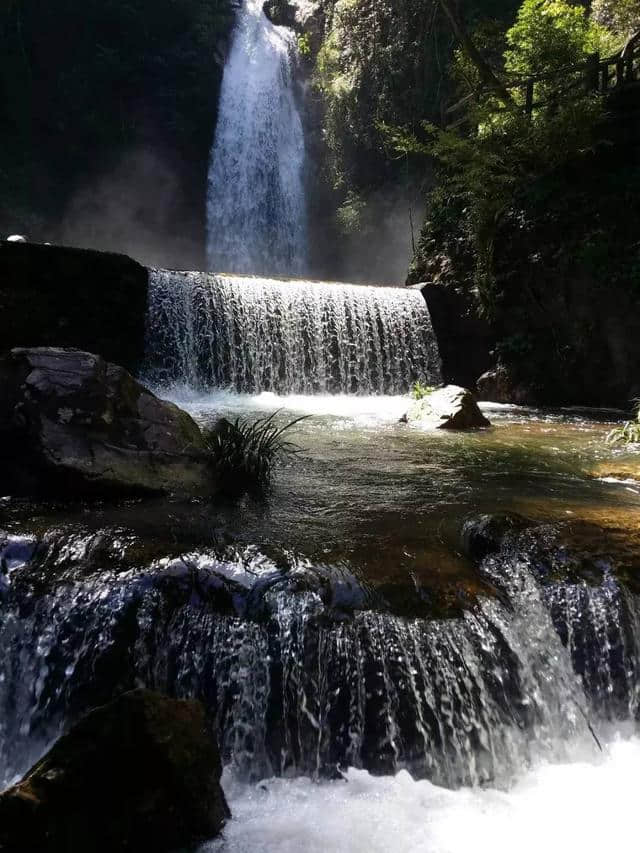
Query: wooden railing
point(604, 76)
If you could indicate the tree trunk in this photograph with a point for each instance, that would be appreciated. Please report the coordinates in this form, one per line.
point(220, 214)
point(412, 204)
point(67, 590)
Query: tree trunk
point(449, 7)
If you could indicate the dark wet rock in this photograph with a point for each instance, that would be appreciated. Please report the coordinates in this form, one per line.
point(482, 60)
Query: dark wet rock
point(142, 773)
point(16, 552)
point(451, 407)
point(305, 17)
point(71, 421)
point(497, 386)
point(464, 337)
point(486, 534)
point(281, 13)
point(63, 297)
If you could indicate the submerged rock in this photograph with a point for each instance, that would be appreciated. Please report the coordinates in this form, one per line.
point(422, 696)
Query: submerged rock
point(142, 773)
point(486, 534)
point(451, 407)
point(71, 421)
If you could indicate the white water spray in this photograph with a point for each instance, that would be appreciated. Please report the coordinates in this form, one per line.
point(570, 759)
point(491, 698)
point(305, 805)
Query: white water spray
point(255, 203)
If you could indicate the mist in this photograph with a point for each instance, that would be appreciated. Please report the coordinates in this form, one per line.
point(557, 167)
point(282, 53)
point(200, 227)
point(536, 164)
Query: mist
point(142, 208)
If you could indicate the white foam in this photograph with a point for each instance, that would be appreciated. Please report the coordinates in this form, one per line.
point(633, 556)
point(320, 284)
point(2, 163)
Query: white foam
point(359, 409)
point(564, 807)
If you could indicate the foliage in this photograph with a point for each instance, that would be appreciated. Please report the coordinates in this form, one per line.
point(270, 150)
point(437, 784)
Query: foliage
point(420, 391)
point(499, 151)
point(244, 453)
point(550, 35)
point(381, 61)
point(304, 44)
point(620, 16)
point(629, 432)
point(350, 213)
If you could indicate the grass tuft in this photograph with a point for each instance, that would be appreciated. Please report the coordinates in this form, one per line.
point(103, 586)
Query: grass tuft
point(629, 432)
point(420, 391)
point(245, 452)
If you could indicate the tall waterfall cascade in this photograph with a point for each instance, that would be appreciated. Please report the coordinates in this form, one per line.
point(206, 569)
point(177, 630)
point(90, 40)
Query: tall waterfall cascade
point(255, 202)
point(289, 337)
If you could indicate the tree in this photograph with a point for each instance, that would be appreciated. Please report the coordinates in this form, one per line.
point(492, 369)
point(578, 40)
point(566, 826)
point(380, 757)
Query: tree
point(552, 34)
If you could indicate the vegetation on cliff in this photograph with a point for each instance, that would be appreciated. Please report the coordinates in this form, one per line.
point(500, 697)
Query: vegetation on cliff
point(534, 211)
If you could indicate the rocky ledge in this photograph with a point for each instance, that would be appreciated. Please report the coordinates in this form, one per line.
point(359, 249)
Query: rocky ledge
point(71, 420)
point(142, 773)
point(59, 296)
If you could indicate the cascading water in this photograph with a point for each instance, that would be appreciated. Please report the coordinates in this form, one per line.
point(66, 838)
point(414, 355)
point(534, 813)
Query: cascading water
point(255, 205)
point(290, 337)
point(303, 678)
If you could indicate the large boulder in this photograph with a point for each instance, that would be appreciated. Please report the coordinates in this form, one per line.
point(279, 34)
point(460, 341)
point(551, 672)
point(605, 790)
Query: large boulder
point(497, 386)
point(451, 407)
point(71, 421)
point(142, 773)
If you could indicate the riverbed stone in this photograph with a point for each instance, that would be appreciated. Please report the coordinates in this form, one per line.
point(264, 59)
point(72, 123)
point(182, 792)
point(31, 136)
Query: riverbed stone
point(485, 534)
point(72, 423)
point(141, 773)
point(451, 407)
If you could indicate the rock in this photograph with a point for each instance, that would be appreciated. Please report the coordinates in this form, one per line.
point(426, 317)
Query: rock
point(62, 297)
point(451, 407)
point(141, 773)
point(486, 534)
point(497, 386)
point(464, 337)
point(72, 422)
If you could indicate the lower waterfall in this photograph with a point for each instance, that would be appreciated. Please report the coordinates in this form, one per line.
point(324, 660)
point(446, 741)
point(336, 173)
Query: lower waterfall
point(290, 337)
point(303, 677)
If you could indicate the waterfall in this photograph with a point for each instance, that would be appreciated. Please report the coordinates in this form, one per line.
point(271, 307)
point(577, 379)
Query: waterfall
point(290, 337)
point(299, 683)
point(255, 205)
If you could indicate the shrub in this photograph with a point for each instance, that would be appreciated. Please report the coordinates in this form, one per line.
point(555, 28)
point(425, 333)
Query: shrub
point(629, 432)
point(420, 391)
point(243, 452)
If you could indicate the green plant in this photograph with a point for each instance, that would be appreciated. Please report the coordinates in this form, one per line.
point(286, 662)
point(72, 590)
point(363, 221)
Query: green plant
point(549, 35)
point(243, 453)
point(304, 44)
point(420, 391)
point(629, 432)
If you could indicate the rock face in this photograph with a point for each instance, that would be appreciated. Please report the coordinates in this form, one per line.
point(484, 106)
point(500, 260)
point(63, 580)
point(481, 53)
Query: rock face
point(142, 773)
point(451, 407)
point(72, 422)
point(464, 339)
point(55, 296)
point(497, 386)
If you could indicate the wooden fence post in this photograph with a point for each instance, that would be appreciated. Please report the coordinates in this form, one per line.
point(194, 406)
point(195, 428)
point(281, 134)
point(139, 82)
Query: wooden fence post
point(528, 102)
point(593, 72)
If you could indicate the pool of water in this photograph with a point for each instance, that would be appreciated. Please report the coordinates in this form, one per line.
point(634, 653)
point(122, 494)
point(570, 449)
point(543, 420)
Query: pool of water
point(390, 498)
point(385, 498)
